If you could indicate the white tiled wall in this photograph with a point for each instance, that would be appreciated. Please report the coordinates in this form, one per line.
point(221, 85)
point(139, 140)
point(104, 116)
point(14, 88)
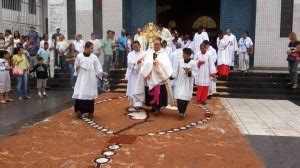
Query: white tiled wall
point(57, 16)
point(270, 49)
point(112, 16)
point(84, 18)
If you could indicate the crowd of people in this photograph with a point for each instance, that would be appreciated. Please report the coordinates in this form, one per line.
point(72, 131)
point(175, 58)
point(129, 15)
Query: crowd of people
point(161, 74)
point(164, 75)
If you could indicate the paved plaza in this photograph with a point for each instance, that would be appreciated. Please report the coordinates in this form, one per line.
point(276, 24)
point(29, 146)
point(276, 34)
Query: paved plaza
point(117, 139)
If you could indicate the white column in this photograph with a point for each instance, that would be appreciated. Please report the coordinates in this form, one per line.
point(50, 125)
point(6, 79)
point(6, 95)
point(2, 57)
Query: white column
point(112, 16)
point(57, 12)
point(296, 22)
point(84, 18)
point(270, 48)
point(1, 23)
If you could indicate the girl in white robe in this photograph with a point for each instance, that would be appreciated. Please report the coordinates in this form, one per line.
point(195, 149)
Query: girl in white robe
point(134, 62)
point(85, 91)
point(224, 59)
point(185, 75)
point(206, 70)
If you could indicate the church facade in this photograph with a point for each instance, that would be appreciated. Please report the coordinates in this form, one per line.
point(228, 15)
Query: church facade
point(267, 21)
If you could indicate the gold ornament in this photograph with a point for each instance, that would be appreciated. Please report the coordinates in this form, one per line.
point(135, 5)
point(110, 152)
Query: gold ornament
point(150, 33)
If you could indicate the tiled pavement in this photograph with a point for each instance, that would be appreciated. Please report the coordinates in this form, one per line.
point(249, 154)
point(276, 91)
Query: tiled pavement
point(264, 117)
point(272, 128)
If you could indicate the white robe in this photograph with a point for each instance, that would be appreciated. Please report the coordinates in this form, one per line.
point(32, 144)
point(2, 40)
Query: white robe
point(204, 36)
point(86, 83)
point(133, 70)
point(223, 52)
point(169, 52)
point(205, 70)
point(162, 73)
point(142, 41)
point(184, 83)
point(166, 35)
point(175, 57)
point(196, 43)
point(212, 84)
point(232, 48)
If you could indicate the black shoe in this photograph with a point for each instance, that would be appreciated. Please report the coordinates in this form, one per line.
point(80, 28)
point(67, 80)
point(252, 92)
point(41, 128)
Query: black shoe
point(79, 114)
point(181, 116)
point(91, 116)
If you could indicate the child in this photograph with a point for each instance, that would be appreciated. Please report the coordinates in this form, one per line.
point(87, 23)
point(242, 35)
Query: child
point(45, 53)
point(213, 54)
point(4, 77)
point(185, 81)
point(206, 70)
point(42, 75)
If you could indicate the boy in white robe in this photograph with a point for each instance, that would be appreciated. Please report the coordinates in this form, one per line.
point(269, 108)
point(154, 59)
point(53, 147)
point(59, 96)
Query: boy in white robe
point(233, 46)
point(134, 61)
point(198, 39)
point(213, 54)
point(206, 70)
point(224, 59)
point(175, 57)
point(85, 91)
point(185, 75)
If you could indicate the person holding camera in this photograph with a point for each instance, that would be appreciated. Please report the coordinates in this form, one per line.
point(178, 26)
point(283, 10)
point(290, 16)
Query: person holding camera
point(292, 59)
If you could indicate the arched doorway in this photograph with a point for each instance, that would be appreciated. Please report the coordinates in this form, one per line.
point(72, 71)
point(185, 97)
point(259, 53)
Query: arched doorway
point(182, 15)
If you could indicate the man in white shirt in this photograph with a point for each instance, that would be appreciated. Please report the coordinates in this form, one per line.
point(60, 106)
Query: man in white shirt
point(97, 46)
point(141, 39)
point(245, 49)
point(79, 44)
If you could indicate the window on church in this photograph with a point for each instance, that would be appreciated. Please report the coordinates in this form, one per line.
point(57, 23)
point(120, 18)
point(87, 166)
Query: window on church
point(32, 6)
point(286, 20)
point(12, 4)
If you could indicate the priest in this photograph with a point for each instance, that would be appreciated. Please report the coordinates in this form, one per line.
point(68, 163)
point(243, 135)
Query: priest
point(134, 61)
point(155, 73)
point(141, 39)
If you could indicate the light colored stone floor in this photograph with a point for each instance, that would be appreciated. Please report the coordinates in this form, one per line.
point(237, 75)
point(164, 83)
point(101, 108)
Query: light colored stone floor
point(264, 117)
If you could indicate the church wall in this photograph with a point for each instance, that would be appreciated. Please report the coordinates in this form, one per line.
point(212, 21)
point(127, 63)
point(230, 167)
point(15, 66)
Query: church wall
point(138, 13)
point(270, 50)
point(238, 16)
point(112, 16)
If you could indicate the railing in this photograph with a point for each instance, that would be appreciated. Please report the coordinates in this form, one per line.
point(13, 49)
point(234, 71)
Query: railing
point(19, 15)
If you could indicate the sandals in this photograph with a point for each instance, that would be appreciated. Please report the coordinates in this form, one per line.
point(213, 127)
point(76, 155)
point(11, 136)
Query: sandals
point(10, 100)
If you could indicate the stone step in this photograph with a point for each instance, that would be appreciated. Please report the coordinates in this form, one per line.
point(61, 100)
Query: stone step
point(255, 90)
point(282, 85)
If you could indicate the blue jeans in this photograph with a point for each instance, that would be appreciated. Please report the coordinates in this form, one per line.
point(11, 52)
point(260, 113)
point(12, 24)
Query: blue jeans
point(121, 59)
point(71, 70)
point(62, 63)
point(107, 63)
point(22, 85)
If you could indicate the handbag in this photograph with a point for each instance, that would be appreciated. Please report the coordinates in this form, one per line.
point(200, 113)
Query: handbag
point(292, 57)
point(17, 71)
